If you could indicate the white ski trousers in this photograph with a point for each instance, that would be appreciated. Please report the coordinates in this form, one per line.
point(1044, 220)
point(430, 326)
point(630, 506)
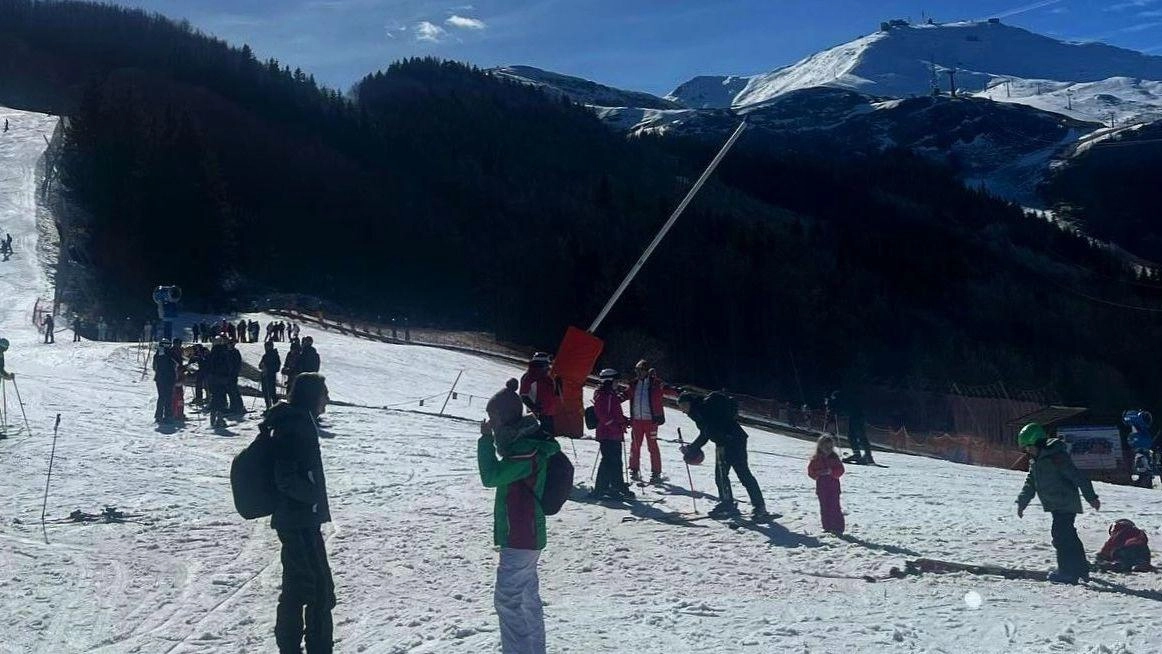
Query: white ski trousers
point(518, 603)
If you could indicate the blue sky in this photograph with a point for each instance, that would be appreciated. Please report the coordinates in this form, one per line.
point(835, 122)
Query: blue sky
point(649, 45)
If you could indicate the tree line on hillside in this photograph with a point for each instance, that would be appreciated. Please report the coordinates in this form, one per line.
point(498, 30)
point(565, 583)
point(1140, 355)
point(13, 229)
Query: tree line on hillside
point(467, 201)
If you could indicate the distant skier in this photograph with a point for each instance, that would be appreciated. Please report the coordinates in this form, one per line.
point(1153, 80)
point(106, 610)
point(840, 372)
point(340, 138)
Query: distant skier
point(290, 365)
point(198, 359)
point(4, 374)
point(826, 469)
point(233, 393)
point(242, 331)
point(102, 329)
point(309, 357)
point(518, 527)
point(716, 416)
point(217, 369)
point(1142, 441)
point(611, 426)
point(197, 329)
point(5, 125)
point(540, 392)
point(1055, 481)
point(78, 325)
point(164, 376)
point(308, 589)
point(647, 412)
point(268, 369)
point(49, 326)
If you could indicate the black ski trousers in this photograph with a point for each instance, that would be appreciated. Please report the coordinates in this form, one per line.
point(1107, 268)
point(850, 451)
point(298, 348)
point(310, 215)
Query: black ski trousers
point(269, 390)
point(164, 401)
point(307, 596)
point(609, 475)
point(1071, 559)
point(857, 438)
point(234, 395)
point(733, 457)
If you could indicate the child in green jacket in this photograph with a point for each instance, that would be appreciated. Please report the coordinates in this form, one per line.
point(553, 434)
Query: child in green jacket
point(518, 527)
point(1055, 480)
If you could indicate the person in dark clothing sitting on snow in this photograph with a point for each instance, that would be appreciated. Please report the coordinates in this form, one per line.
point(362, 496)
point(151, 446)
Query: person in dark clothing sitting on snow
point(716, 416)
point(1128, 549)
point(308, 590)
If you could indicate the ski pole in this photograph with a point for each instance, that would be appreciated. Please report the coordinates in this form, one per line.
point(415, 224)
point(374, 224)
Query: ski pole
point(624, 469)
point(3, 407)
point(48, 479)
point(689, 476)
point(596, 458)
point(27, 429)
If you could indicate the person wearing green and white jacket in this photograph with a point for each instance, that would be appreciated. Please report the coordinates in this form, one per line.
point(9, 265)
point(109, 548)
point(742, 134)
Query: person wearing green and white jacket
point(1056, 481)
point(518, 520)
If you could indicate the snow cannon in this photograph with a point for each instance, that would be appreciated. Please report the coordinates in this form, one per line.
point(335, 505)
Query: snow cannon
point(1139, 421)
point(167, 299)
point(692, 456)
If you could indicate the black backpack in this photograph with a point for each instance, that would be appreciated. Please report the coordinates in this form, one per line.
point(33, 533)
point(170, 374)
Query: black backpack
point(558, 484)
point(252, 478)
point(591, 417)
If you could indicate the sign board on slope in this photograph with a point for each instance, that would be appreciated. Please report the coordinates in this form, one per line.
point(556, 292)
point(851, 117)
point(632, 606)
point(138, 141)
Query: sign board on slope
point(1093, 447)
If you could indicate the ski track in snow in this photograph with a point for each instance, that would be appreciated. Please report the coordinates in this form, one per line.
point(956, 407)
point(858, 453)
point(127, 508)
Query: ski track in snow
point(411, 546)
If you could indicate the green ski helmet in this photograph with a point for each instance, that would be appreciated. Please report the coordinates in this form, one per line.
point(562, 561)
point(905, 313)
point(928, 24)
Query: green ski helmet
point(1030, 434)
point(3, 344)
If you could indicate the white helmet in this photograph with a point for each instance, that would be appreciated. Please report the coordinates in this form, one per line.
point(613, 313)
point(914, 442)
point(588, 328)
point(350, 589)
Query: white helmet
point(608, 373)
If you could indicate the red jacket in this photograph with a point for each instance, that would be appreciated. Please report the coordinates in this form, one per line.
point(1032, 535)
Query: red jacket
point(825, 470)
point(656, 408)
point(541, 389)
point(611, 420)
point(1122, 535)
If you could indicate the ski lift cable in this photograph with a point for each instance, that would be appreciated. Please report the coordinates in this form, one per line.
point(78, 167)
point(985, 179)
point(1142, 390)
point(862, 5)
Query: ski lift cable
point(666, 228)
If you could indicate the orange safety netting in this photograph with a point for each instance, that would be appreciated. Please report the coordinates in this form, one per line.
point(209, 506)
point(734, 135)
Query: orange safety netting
point(573, 364)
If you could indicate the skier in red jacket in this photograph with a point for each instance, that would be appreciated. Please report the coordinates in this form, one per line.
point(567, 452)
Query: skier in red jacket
point(646, 413)
point(540, 392)
point(826, 469)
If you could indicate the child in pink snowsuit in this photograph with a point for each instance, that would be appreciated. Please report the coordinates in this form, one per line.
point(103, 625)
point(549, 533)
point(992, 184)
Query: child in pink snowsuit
point(826, 469)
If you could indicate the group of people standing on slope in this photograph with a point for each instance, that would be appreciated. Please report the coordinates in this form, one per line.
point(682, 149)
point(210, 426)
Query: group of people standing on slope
point(216, 371)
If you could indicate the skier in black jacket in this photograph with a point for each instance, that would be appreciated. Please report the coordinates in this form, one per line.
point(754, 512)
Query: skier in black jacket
point(268, 368)
point(217, 368)
point(716, 416)
point(308, 590)
point(165, 374)
point(309, 357)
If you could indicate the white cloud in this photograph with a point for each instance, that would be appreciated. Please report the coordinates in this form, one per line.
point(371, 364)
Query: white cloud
point(1130, 4)
point(430, 32)
point(465, 23)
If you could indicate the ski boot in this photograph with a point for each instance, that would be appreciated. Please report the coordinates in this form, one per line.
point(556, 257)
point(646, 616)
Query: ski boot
point(723, 510)
point(635, 475)
point(623, 493)
point(760, 514)
point(656, 478)
point(1058, 577)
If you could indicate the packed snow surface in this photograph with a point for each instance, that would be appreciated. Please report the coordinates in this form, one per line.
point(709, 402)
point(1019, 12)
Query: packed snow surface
point(411, 542)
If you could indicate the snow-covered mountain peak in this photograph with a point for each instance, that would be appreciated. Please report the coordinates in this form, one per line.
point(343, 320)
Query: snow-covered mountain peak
point(581, 90)
point(904, 60)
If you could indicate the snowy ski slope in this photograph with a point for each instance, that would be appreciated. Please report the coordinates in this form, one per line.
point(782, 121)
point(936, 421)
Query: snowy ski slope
point(411, 542)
